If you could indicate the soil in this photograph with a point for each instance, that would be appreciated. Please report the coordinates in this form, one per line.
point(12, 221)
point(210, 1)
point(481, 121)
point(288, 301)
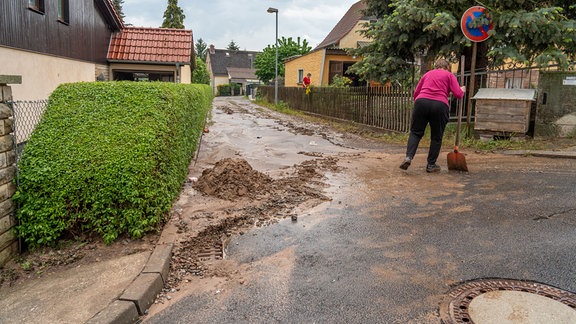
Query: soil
point(225, 200)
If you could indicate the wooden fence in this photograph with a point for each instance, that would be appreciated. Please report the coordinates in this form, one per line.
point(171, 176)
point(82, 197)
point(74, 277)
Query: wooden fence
point(382, 107)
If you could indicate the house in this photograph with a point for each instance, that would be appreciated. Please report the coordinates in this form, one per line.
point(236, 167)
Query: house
point(330, 57)
point(151, 54)
point(49, 42)
point(231, 67)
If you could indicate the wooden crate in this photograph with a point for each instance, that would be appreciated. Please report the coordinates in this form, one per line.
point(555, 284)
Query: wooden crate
point(505, 111)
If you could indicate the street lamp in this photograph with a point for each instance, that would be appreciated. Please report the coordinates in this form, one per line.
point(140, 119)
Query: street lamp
point(274, 10)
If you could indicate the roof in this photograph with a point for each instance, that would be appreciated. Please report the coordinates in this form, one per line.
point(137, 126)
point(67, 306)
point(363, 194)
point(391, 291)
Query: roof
point(505, 94)
point(344, 26)
point(222, 59)
point(241, 74)
point(151, 45)
point(109, 13)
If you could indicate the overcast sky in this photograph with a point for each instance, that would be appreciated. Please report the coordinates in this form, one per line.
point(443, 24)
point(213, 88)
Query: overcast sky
point(245, 21)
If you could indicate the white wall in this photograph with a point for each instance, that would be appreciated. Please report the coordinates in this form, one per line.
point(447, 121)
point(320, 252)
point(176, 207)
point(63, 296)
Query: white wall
point(41, 74)
point(219, 81)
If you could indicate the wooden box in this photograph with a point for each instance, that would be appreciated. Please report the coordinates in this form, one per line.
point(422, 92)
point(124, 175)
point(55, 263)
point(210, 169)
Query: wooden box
point(503, 110)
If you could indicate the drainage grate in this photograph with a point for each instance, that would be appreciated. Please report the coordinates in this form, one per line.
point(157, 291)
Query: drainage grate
point(213, 251)
point(456, 306)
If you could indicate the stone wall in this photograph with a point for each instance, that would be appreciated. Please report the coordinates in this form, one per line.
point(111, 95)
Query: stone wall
point(8, 240)
point(102, 73)
point(556, 106)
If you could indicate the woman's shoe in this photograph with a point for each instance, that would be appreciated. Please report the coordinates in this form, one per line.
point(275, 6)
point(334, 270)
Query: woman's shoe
point(432, 168)
point(406, 163)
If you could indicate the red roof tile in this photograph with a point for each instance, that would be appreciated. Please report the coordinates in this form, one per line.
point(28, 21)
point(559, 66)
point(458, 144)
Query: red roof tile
point(160, 45)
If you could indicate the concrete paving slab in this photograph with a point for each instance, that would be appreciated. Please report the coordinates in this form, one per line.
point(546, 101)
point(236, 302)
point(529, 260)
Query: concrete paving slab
point(72, 296)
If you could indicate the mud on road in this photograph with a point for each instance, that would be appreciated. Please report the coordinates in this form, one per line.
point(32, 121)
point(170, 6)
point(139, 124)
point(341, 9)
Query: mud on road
point(254, 168)
point(242, 184)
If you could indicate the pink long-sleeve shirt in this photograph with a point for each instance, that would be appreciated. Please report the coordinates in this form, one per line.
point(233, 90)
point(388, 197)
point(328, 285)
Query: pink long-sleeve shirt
point(436, 85)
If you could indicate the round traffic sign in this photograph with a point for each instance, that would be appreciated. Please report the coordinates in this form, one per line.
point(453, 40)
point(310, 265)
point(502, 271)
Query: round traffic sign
point(475, 34)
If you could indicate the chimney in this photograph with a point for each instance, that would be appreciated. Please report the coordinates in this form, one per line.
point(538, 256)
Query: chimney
point(212, 51)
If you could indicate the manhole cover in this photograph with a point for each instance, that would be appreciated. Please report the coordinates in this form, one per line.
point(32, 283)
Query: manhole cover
point(508, 301)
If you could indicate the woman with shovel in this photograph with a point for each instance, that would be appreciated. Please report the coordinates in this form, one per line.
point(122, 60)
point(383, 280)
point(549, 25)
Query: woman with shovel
point(431, 107)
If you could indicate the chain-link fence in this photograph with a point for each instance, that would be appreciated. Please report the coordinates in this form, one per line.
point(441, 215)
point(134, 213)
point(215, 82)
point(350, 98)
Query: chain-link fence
point(27, 115)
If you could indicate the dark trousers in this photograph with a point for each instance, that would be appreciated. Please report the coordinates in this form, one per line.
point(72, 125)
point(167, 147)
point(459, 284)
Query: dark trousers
point(435, 113)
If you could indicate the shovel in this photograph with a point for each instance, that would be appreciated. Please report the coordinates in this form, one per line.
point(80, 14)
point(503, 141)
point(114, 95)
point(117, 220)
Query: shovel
point(456, 160)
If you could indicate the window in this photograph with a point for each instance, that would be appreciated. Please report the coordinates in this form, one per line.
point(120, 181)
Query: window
point(300, 75)
point(36, 5)
point(63, 11)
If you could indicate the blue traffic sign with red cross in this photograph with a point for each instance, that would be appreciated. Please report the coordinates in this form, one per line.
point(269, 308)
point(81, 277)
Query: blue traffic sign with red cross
point(476, 34)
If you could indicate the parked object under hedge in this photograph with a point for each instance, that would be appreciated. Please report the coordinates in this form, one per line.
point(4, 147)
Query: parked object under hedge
point(108, 158)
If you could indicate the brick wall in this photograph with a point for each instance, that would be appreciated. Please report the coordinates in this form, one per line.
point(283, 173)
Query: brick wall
point(8, 240)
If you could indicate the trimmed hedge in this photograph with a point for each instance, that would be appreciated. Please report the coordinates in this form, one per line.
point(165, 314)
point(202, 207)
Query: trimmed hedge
point(108, 158)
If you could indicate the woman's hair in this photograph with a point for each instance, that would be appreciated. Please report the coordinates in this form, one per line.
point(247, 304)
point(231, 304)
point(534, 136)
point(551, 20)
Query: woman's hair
point(442, 64)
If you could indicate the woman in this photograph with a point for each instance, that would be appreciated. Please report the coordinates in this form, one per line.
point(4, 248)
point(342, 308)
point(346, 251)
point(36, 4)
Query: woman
point(431, 107)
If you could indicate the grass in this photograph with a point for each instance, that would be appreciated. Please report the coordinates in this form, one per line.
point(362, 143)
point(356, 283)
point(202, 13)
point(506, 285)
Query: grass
point(281, 107)
point(449, 139)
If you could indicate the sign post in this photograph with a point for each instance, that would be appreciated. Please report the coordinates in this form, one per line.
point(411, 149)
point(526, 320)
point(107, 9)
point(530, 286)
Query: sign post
point(475, 34)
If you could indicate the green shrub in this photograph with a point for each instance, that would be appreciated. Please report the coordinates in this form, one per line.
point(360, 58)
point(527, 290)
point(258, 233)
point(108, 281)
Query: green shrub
point(109, 158)
point(226, 89)
point(340, 81)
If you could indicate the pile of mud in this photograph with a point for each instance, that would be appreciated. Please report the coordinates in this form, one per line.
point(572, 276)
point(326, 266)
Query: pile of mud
point(232, 179)
point(258, 200)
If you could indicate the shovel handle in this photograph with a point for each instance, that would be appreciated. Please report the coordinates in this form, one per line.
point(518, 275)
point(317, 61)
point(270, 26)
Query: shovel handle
point(460, 102)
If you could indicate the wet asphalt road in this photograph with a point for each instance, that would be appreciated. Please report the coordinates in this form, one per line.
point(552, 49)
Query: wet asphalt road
point(389, 252)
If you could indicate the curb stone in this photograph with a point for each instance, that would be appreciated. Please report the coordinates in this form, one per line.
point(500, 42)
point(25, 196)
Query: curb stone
point(549, 154)
point(119, 312)
point(141, 293)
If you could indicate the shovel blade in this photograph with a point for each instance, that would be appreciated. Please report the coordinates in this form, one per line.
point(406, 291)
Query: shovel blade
point(457, 161)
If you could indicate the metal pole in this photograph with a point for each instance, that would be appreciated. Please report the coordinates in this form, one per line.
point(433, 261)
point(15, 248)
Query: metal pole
point(276, 79)
point(471, 90)
point(274, 10)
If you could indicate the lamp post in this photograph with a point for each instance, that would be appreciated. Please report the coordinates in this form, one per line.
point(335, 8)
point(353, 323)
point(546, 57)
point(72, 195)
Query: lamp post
point(274, 10)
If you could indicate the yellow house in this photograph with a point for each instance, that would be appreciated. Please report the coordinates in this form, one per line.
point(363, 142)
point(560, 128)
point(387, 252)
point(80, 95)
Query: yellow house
point(330, 57)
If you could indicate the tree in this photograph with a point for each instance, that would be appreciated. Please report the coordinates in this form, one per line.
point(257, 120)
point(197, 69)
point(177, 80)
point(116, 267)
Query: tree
point(118, 7)
point(173, 16)
point(201, 49)
point(200, 74)
point(526, 32)
point(265, 62)
point(232, 46)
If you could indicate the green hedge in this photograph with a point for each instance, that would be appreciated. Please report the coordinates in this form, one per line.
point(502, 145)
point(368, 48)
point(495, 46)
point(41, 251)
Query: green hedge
point(226, 89)
point(109, 158)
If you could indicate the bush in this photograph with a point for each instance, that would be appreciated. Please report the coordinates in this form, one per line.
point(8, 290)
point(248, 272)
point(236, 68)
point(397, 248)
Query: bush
point(109, 158)
point(226, 89)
